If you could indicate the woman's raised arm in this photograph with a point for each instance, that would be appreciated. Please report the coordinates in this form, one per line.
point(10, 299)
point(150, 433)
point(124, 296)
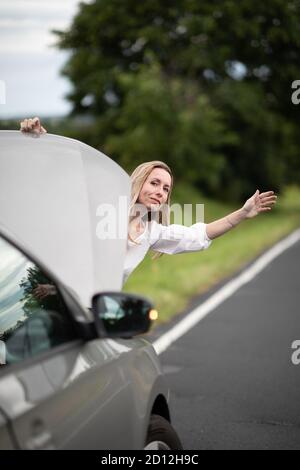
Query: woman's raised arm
point(253, 206)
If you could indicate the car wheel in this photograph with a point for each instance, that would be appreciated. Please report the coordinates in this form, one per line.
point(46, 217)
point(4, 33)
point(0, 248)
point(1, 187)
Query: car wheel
point(161, 435)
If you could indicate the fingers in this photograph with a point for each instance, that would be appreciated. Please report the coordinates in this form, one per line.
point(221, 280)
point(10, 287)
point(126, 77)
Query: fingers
point(269, 204)
point(268, 201)
point(268, 193)
point(23, 125)
point(32, 126)
point(26, 125)
point(272, 196)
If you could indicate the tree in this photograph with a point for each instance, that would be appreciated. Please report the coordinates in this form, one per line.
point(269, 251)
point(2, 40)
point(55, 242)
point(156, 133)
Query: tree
point(203, 85)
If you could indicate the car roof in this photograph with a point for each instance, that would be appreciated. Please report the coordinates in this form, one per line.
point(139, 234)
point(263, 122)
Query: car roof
point(54, 192)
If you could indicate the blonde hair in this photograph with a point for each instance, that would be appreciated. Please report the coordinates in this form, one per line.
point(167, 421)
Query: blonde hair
point(138, 178)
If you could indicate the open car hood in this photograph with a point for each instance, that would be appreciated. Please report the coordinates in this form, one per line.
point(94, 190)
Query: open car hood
point(52, 191)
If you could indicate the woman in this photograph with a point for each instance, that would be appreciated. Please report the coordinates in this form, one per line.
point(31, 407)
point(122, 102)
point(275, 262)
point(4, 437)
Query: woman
point(151, 187)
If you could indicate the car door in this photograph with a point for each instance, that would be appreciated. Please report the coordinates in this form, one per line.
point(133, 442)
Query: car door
point(57, 390)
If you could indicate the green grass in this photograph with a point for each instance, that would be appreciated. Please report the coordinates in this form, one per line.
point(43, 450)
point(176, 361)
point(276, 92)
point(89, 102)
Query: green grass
point(171, 281)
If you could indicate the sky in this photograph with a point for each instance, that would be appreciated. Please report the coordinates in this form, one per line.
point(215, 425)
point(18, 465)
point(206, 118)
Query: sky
point(30, 83)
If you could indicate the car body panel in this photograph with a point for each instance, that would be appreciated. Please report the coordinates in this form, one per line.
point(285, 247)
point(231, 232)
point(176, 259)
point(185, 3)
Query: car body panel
point(53, 192)
point(5, 437)
point(73, 399)
point(90, 393)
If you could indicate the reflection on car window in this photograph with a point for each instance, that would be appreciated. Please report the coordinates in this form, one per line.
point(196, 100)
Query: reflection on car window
point(33, 316)
point(111, 309)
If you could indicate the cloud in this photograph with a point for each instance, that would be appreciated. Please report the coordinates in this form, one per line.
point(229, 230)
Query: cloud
point(33, 85)
point(38, 7)
point(23, 39)
point(26, 24)
point(30, 64)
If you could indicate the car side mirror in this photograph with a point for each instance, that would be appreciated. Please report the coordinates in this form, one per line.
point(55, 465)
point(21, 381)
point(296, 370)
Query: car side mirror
point(122, 315)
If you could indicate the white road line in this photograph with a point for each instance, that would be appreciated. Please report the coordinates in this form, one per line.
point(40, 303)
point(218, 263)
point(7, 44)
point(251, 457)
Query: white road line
point(162, 343)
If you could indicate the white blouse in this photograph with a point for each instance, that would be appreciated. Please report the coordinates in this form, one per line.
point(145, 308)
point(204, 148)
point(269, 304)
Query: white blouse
point(170, 239)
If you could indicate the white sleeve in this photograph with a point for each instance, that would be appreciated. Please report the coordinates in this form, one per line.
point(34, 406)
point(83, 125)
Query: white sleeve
point(173, 239)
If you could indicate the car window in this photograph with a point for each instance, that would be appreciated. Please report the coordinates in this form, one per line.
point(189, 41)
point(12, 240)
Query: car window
point(33, 315)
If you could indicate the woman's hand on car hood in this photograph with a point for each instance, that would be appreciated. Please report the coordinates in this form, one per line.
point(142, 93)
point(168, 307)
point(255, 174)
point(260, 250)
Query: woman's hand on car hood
point(32, 126)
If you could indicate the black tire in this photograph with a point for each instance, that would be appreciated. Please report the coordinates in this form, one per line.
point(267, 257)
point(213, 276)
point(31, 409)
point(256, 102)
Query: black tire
point(161, 435)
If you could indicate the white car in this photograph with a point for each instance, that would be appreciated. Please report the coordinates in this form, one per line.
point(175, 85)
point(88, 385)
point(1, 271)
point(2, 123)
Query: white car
point(73, 374)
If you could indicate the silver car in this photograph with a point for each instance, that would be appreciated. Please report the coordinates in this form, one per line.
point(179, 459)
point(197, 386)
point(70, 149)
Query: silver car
point(73, 373)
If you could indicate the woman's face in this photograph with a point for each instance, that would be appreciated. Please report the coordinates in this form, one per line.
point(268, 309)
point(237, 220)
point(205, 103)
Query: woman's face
point(156, 189)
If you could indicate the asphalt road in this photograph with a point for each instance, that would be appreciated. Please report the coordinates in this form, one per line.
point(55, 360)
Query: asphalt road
point(233, 382)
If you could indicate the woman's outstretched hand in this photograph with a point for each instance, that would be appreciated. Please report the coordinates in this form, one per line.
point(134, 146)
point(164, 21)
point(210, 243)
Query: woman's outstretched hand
point(259, 202)
point(32, 126)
